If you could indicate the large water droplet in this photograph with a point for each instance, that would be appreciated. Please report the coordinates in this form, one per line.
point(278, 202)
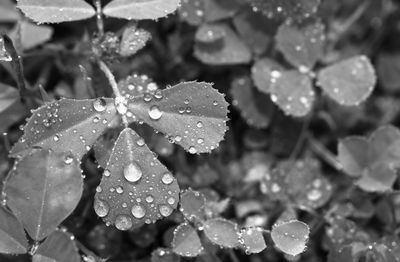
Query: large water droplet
point(123, 222)
point(68, 159)
point(101, 208)
point(107, 173)
point(314, 195)
point(167, 178)
point(100, 104)
point(138, 211)
point(155, 113)
point(132, 172)
point(192, 150)
point(165, 210)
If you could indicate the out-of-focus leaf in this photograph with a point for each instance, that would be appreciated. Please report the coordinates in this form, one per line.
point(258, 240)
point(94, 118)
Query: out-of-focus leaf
point(302, 47)
point(133, 39)
point(263, 72)
point(193, 115)
point(209, 34)
point(66, 124)
point(252, 240)
point(8, 13)
point(136, 188)
point(192, 205)
point(13, 239)
point(348, 82)
point(222, 232)
point(31, 35)
point(140, 9)
point(56, 11)
point(59, 246)
point(353, 155)
point(8, 96)
point(348, 253)
point(292, 92)
point(388, 70)
point(290, 237)
point(186, 241)
point(43, 189)
point(4, 55)
point(164, 255)
point(192, 11)
point(215, 10)
point(255, 108)
point(226, 51)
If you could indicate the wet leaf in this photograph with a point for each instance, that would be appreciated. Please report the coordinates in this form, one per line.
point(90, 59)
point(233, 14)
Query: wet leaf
point(59, 246)
point(140, 9)
point(348, 82)
point(13, 239)
point(192, 205)
point(66, 124)
point(226, 51)
point(209, 34)
point(137, 85)
point(192, 11)
point(191, 114)
point(136, 188)
point(56, 11)
point(164, 255)
point(222, 232)
point(133, 40)
point(292, 92)
point(43, 189)
point(302, 47)
point(290, 237)
point(186, 241)
point(263, 72)
point(255, 108)
point(252, 240)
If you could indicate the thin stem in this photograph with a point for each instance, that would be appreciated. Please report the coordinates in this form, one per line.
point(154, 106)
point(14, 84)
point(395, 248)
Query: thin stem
point(99, 18)
point(233, 256)
point(324, 153)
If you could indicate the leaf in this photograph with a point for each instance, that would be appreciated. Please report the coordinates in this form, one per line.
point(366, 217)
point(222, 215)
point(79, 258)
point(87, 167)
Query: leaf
point(193, 115)
point(215, 10)
point(192, 205)
point(293, 9)
point(133, 40)
point(292, 92)
point(302, 47)
point(186, 241)
point(13, 239)
point(378, 178)
point(353, 155)
point(137, 85)
point(104, 145)
point(164, 255)
point(255, 108)
point(290, 237)
point(30, 35)
point(58, 247)
point(8, 96)
point(56, 11)
point(263, 72)
point(66, 124)
point(348, 82)
point(222, 232)
point(192, 11)
point(228, 50)
point(388, 70)
point(252, 240)
point(43, 189)
point(209, 34)
point(136, 188)
point(4, 55)
point(140, 9)
point(8, 13)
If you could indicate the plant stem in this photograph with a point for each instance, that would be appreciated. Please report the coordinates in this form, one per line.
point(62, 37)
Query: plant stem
point(99, 18)
point(324, 153)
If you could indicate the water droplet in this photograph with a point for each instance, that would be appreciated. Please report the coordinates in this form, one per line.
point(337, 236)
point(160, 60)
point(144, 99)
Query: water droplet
point(167, 178)
point(165, 210)
point(119, 190)
point(132, 172)
point(149, 199)
point(107, 173)
point(123, 222)
point(314, 195)
point(178, 138)
point(56, 138)
point(100, 104)
point(155, 113)
point(199, 124)
point(121, 105)
point(192, 150)
point(140, 142)
point(138, 211)
point(171, 200)
point(96, 119)
point(275, 188)
point(101, 208)
point(200, 141)
point(68, 159)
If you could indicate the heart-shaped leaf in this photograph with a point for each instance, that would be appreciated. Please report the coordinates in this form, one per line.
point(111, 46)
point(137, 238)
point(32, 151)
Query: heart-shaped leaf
point(222, 232)
point(43, 189)
point(13, 239)
point(66, 124)
point(252, 240)
point(263, 72)
point(290, 237)
point(292, 92)
point(133, 39)
point(348, 82)
point(56, 11)
point(186, 241)
point(302, 47)
point(136, 188)
point(58, 247)
point(191, 114)
point(228, 50)
point(192, 205)
point(140, 9)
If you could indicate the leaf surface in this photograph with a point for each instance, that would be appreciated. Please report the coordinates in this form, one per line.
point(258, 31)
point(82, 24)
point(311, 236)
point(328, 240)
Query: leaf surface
point(136, 188)
point(43, 189)
point(133, 40)
point(192, 11)
point(186, 241)
point(140, 9)
point(222, 232)
point(263, 72)
point(13, 239)
point(4, 55)
point(252, 240)
point(56, 11)
point(191, 114)
point(192, 205)
point(66, 124)
point(290, 237)
point(31, 35)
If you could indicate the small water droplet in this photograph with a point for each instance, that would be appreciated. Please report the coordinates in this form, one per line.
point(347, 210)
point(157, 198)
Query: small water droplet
point(123, 222)
point(100, 104)
point(56, 138)
point(101, 208)
point(140, 142)
point(68, 159)
point(199, 124)
point(138, 211)
point(149, 199)
point(155, 113)
point(106, 173)
point(132, 172)
point(165, 210)
point(314, 195)
point(192, 150)
point(167, 178)
point(171, 200)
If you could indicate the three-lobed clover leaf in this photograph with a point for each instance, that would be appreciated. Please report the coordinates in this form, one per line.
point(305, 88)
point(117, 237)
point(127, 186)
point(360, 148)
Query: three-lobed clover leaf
point(372, 160)
point(186, 241)
point(348, 82)
point(290, 237)
point(43, 189)
point(13, 239)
